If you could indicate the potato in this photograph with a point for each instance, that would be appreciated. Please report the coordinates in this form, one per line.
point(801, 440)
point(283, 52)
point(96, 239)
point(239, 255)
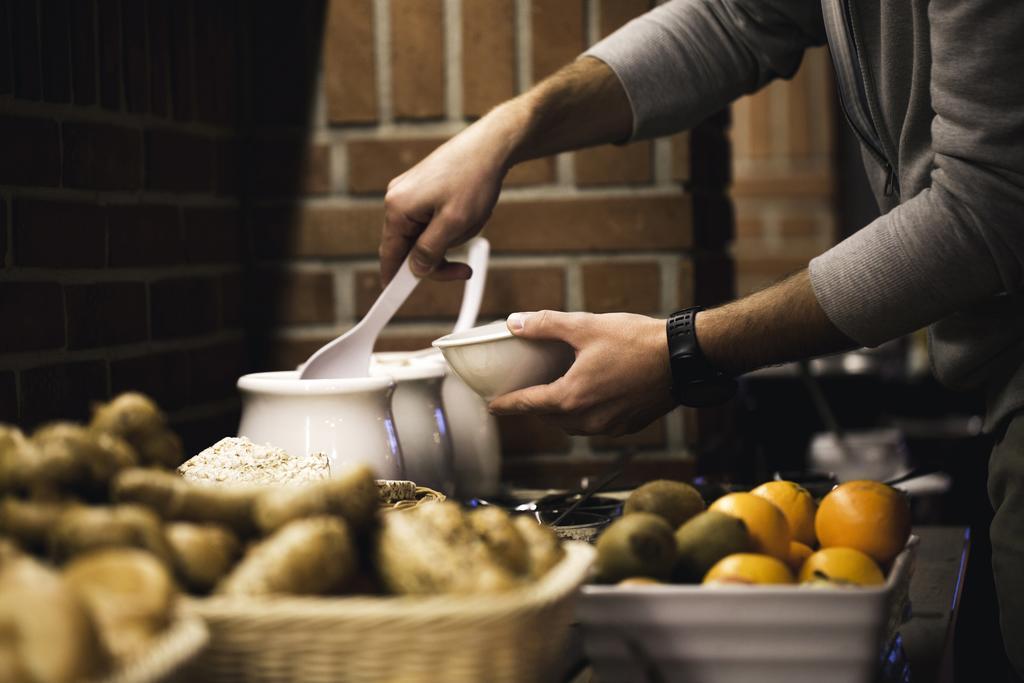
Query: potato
point(47, 634)
point(495, 528)
point(30, 523)
point(17, 458)
point(84, 529)
point(203, 553)
point(312, 556)
point(137, 419)
point(433, 549)
point(352, 495)
point(543, 546)
point(173, 498)
point(75, 459)
point(130, 594)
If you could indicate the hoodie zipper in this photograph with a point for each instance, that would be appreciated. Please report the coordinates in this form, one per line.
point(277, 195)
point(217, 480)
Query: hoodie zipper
point(846, 57)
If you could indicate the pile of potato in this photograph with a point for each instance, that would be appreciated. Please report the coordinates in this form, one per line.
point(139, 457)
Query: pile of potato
point(92, 514)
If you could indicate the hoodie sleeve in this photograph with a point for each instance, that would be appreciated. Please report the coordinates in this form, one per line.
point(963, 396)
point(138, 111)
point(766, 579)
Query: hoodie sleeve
point(961, 239)
point(687, 59)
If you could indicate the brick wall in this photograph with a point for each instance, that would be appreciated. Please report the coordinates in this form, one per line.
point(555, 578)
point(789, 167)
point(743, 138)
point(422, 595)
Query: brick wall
point(616, 228)
point(120, 233)
point(170, 160)
point(784, 171)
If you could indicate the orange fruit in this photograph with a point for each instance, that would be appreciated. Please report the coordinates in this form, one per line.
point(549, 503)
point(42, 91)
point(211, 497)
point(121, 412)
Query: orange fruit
point(798, 554)
point(765, 522)
point(867, 516)
point(749, 568)
point(796, 504)
point(842, 565)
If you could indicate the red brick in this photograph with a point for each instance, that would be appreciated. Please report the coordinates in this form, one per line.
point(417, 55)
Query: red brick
point(179, 162)
point(808, 227)
point(33, 315)
point(651, 436)
point(6, 61)
point(182, 67)
point(105, 314)
point(64, 391)
point(295, 297)
point(144, 236)
point(321, 232)
point(508, 290)
point(232, 300)
point(372, 164)
point(282, 168)
point(788, 185)
point(557, 35)
point(8, 398)
point(488, 54)
point(59, 234)
point(681, 157)
point(614, 165)
point(55, 21)
point(215, 369)
point(102, 157)
point(216, 26)
point(136, 74)
point(685, 293)
point(615, 13)
point(350, 82)
point(213, 235)
point(526, 434)
point(749, 228)
point(167, 377)
point(183, 307)
point(109, 21)
point(534, 172)
point(31, 152)
point(591, 224)
point(199, 433)
point(226, 168)
point(27, 69)
point(159, 56)
point(417, 58)
point(83, 52)
point(286, 353)
point(630, 287)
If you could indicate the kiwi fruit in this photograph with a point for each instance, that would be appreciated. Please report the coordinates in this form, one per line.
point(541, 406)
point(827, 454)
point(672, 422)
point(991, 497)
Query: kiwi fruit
point(673, 501)
point(639, 544)
point(704, 540)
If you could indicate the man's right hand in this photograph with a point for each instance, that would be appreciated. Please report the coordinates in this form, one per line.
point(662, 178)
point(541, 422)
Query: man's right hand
point(445, 199)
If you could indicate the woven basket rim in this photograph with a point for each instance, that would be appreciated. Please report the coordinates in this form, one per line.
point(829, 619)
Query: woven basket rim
point(563, 578)
point(183, 640)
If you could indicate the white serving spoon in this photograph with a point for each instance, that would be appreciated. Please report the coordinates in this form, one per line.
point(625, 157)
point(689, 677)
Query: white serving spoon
point(473, 293)
point(349, 354)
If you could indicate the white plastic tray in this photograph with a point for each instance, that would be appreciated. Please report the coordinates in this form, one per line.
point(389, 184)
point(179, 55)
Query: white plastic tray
point(742, 634)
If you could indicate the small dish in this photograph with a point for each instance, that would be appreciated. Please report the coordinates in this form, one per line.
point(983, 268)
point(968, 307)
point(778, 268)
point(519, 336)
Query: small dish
point(493, 361)
point(578, 526)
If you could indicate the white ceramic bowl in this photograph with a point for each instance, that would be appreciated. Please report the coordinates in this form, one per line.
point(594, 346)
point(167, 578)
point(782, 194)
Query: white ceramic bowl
point(420, 419)
point(348, 419)
point(476, 447)
point(492, 361)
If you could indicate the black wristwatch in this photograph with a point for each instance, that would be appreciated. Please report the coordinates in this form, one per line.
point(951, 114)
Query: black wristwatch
point(695, 381)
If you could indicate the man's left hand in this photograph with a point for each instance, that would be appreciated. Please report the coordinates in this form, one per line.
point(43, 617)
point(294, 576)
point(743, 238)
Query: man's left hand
point(618, 384)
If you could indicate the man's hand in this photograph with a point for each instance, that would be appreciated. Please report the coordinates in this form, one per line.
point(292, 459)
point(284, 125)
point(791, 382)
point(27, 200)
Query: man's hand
point(446, 198)
point(618, 384)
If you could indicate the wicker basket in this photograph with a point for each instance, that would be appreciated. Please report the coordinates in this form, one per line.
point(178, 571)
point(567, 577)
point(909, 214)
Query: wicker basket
point(515, 637)
point(165, 660)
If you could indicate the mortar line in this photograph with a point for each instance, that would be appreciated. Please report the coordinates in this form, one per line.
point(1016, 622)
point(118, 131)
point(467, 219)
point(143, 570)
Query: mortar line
point(592, 21)
point(453, 59)
point(382, 46)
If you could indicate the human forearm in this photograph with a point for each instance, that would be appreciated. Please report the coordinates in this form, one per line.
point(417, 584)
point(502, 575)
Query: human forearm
point(779, 324)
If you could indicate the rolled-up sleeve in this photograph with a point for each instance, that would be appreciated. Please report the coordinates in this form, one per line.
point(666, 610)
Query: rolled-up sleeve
point(961, 239)
point(687, 59)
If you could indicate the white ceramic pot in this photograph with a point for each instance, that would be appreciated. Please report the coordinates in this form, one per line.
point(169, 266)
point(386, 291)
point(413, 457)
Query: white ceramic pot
point(419, 419)
point(348, 419)
point(476, 448)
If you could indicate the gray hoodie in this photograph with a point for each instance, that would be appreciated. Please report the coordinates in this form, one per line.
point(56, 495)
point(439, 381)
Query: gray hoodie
point(935, 91)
